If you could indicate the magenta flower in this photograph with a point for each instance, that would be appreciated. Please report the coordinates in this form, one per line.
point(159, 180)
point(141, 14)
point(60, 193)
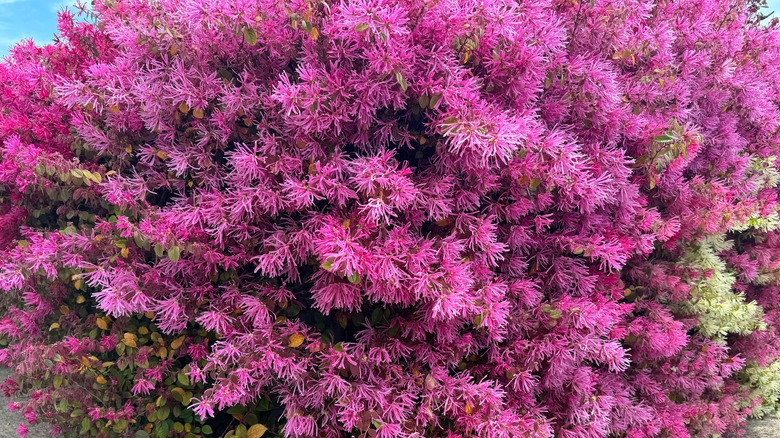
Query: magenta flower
point(142, 387)
point(203, 408)
point(443, 218)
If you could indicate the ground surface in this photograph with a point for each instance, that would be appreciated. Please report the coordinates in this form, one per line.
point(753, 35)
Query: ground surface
point(9, 421)
point(764, 429)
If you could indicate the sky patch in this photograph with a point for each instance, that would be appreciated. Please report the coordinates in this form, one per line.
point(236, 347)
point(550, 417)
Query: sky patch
point(24, 19)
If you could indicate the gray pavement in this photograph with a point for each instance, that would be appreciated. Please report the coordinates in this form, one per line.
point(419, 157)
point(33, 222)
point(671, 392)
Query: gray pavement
point(9, 421)
point(764, 428)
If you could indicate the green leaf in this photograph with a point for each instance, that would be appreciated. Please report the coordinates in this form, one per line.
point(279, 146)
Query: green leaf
point(161, 430)
point(423, 101)
point(206, 429)
point(85, 425)
point(663, 138)
point(250, 36)
point(183, 379)
point(354, 278)
point(361, 27)
point(376, 315)
point(236, 410)
point(120, 425)
point(140, 241)
point(264, 405)
point(159, 251)
point(393, 331)
point(174, 253)
point(399, 77)
point(434, 101)
point(327, 265)
point(163, 412)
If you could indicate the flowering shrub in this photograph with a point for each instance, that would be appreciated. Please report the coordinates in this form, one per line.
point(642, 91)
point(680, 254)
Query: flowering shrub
point(385, 218)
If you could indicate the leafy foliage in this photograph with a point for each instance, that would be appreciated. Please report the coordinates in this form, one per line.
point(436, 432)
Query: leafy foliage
point(386, 218)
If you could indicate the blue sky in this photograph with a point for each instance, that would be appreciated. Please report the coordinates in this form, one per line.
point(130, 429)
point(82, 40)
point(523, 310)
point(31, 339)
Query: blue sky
point(37, 19)
point(774, 5)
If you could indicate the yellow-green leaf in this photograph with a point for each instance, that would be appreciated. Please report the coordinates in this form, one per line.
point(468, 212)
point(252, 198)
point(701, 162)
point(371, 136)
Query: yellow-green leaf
point(250, 36)
point(256, 431)
point(176, 343)
point(174, 253)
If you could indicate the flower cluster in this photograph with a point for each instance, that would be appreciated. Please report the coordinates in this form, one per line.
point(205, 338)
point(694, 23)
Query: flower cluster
point(394, 218)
